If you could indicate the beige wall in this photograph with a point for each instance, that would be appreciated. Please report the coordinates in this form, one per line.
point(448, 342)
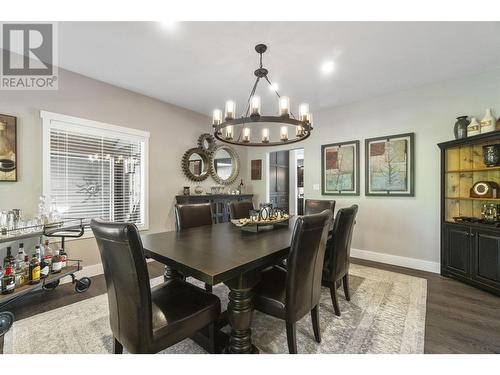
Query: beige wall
point(405, 227)
point(173, 130)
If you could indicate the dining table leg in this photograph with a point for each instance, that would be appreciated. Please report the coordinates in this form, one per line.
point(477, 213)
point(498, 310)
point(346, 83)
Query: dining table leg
point(171, 274)
point(240, 311)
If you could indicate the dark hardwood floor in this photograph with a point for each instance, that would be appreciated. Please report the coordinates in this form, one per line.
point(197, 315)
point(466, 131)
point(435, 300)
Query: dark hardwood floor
point(460, 318)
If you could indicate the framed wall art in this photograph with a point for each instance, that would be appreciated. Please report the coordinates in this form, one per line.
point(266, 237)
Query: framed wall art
point(390, 165)
point(340, 168)
point(256, 169)
point(8, 148)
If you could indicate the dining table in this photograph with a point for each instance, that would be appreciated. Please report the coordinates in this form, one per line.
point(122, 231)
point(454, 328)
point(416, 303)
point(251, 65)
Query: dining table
point(223, 253)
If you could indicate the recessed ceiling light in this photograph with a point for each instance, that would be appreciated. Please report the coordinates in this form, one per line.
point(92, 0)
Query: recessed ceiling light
point(327, 67)
point(169, 25)
point(274, 87)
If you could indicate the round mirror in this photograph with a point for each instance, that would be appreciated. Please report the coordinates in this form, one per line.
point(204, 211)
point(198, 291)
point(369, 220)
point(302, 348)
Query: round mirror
point(207, 142)
point(195, 164)
point(225, 165)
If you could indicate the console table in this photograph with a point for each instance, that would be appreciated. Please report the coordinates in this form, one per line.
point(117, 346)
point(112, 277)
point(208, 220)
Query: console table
point(220, 203)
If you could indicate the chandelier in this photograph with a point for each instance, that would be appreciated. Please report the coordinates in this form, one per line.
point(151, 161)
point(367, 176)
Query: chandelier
point(225, 129)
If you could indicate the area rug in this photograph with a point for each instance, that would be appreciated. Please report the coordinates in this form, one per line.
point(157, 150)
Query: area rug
point(386, 314)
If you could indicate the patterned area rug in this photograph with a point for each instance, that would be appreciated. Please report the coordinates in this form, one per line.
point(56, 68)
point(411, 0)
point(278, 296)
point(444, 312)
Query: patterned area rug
point(386, 314)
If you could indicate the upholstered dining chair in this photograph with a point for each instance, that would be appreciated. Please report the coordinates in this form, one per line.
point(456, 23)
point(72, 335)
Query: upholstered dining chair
point(191, 216)
point(338, 249)
point(314, 206)
point(145, 319)
point(240, 210)
point(292, 293)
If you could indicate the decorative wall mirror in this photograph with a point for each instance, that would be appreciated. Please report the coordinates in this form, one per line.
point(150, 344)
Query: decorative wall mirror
point(196, 164)
point(224, 164)
point(207, 142)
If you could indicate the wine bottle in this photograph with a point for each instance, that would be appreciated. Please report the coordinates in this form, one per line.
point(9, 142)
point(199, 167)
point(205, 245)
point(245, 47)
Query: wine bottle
point(8, 281)
point(9, 259)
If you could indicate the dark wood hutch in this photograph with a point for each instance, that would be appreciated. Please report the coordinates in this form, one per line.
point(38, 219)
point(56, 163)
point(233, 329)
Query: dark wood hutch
point(470, 246)
point(220, 203)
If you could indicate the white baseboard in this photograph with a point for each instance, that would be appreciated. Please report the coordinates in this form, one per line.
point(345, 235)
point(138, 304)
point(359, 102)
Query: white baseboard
point(396, 260)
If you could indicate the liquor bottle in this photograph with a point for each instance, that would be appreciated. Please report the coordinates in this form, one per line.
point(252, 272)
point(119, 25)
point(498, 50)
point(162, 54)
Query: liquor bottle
point(21, 254)
point(47, 253)
point(9, 259)
point(19, 273)
point(44, 266)
point(64, 258)
point(34, 276)
point(56, 262)
point(44, 269)
point(8, 281)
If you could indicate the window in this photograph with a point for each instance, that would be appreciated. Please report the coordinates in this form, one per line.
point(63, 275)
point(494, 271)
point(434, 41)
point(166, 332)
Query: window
point(95, 170)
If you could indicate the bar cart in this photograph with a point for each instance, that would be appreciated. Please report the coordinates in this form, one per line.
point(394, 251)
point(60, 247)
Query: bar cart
point(74, 228)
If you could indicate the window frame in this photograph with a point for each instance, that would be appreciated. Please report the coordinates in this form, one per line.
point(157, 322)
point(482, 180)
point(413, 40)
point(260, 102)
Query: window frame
point(51, 120)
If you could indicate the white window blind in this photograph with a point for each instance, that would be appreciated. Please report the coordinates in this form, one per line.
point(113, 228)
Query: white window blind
point(95, 170)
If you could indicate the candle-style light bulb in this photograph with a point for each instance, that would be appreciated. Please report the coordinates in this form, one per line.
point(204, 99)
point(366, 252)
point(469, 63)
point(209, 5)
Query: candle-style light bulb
point(217, 117)
point(246, 135)
point(284, 106)
point(310, 119)
point(230, 110)
point(229, 132)
point(255, 106)
point(303, 111)
point(299, 132)
point(265, 135)
point(284, 134)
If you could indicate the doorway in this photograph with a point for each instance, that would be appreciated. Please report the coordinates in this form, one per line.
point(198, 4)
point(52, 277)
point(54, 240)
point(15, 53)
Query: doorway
point(286, 180)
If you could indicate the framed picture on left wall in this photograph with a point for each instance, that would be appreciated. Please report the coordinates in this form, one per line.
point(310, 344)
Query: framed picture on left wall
point(8, 148)
point(340, 168)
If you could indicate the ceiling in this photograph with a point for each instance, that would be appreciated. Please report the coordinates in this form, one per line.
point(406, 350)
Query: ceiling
point(199, 65)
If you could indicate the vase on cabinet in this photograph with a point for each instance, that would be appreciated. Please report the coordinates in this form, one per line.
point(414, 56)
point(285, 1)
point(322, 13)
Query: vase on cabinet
point(488, 123)
point(460, 129)
point(474, 128)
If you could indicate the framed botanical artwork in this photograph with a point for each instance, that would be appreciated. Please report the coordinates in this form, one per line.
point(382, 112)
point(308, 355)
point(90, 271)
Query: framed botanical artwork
point(390, 166)
point(8, 148)
point(256, 169)
point(340, 168)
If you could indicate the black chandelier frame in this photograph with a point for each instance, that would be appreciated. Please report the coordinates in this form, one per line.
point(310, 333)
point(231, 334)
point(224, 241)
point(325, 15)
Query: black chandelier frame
point(288, 119)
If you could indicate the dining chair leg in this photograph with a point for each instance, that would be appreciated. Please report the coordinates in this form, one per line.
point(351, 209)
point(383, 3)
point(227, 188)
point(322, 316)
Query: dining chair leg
point(211, 338)
point(291, 337)
point(117, 347)
point(345, 283)
point(315, 323)
point(208, 288)
point(335, 301)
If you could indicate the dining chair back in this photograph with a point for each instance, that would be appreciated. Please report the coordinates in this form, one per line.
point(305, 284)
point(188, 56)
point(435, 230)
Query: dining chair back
point(145, 319)
point(336, 265)
point(240, 210)
point(305, 264)
point(193, 215)
point(315, 206)
point(127, 282)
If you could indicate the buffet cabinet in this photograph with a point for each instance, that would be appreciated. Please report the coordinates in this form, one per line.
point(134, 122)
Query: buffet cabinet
point(470, 222)
point(219, 202)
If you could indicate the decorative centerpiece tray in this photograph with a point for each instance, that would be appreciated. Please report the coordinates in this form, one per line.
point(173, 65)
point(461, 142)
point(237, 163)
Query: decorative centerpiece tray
point(261, 225)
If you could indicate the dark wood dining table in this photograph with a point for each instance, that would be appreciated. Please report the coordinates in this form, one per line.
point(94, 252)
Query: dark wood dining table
point(223, 253)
